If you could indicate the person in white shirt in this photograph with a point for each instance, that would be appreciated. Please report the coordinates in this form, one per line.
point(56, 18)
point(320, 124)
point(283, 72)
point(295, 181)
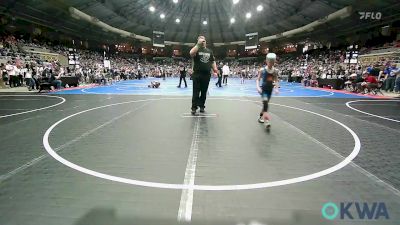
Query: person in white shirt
point(11, 71)
point(28, 77)
point(324, 76)
point(19, 74)
point(3, 75)
point(225, 73)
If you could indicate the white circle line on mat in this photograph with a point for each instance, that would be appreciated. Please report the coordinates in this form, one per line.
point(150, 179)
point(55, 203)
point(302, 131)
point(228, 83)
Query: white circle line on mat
point(345, 162)
point(370, 114)
point(33, 110)
point(85, 90)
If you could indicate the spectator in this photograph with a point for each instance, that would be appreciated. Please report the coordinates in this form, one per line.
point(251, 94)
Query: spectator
point(11, 72)
point(20, 73)
point(314, 80)
point(182, 71)
point(3, 77)
point(225, 72)
point(390, 78)
point(397, 90)
point(28, 77)
point(55, 79)
point(35, 76)
point(370, 82)
point(360, 82)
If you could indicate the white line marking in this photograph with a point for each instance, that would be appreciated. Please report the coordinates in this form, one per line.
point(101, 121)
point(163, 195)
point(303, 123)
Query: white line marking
point(199, 116)
point(85, 90)
point(345, 162)
point(22, 120)
point(364, 121)
point(34, 110)
point(22, 99)
point(59, 148)
point(370, 114)
point(205, 115)
point(21, 168)
point(366, 116)
point(59, 110)
point(394, 104)
point(305, 96)
point(186, 203)
point(13, 109)
point(357, 167)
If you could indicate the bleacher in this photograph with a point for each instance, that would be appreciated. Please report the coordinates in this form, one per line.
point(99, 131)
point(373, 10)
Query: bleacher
point(384, 50)
point(381, 57)
point(34, 48)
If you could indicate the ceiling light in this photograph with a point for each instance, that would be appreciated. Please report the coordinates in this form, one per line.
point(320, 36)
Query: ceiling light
point(260, 8)
point(205, 22)
point(177, 20)
point(235, 2)
point(175, 1)
point(232, 20)
point(162, 15)
point(248, 15)
point(152, 9)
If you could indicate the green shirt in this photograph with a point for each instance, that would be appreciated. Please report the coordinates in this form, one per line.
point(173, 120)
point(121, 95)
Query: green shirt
point(203, 60)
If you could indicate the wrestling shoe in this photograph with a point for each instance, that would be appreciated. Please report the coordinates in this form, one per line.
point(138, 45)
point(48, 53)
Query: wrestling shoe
point(267, 124)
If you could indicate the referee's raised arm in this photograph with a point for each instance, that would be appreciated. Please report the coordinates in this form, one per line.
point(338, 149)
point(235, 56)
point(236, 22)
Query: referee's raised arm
point(195, 49)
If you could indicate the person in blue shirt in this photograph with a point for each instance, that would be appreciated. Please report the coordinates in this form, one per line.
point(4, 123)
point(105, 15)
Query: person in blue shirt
point(390, 78)
point(397, 83)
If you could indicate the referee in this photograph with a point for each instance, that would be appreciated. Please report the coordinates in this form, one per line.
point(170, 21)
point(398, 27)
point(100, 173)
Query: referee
point(182, 71)
point(203, 62)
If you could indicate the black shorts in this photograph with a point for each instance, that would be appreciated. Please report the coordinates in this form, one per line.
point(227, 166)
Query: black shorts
point(267, 90)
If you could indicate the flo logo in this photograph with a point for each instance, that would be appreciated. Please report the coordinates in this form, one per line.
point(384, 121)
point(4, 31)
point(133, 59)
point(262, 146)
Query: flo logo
point(370, 15)
point(355, 210)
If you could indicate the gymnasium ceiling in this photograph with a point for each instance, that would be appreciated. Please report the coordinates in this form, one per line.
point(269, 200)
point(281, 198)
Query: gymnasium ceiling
point(134, 16)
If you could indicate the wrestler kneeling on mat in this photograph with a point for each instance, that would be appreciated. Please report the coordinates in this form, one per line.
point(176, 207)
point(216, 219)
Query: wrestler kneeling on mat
point(267, 79)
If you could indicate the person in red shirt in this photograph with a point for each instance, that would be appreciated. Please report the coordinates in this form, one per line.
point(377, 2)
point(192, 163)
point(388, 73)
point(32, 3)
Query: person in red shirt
point(371, 79)
point(370, 83)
